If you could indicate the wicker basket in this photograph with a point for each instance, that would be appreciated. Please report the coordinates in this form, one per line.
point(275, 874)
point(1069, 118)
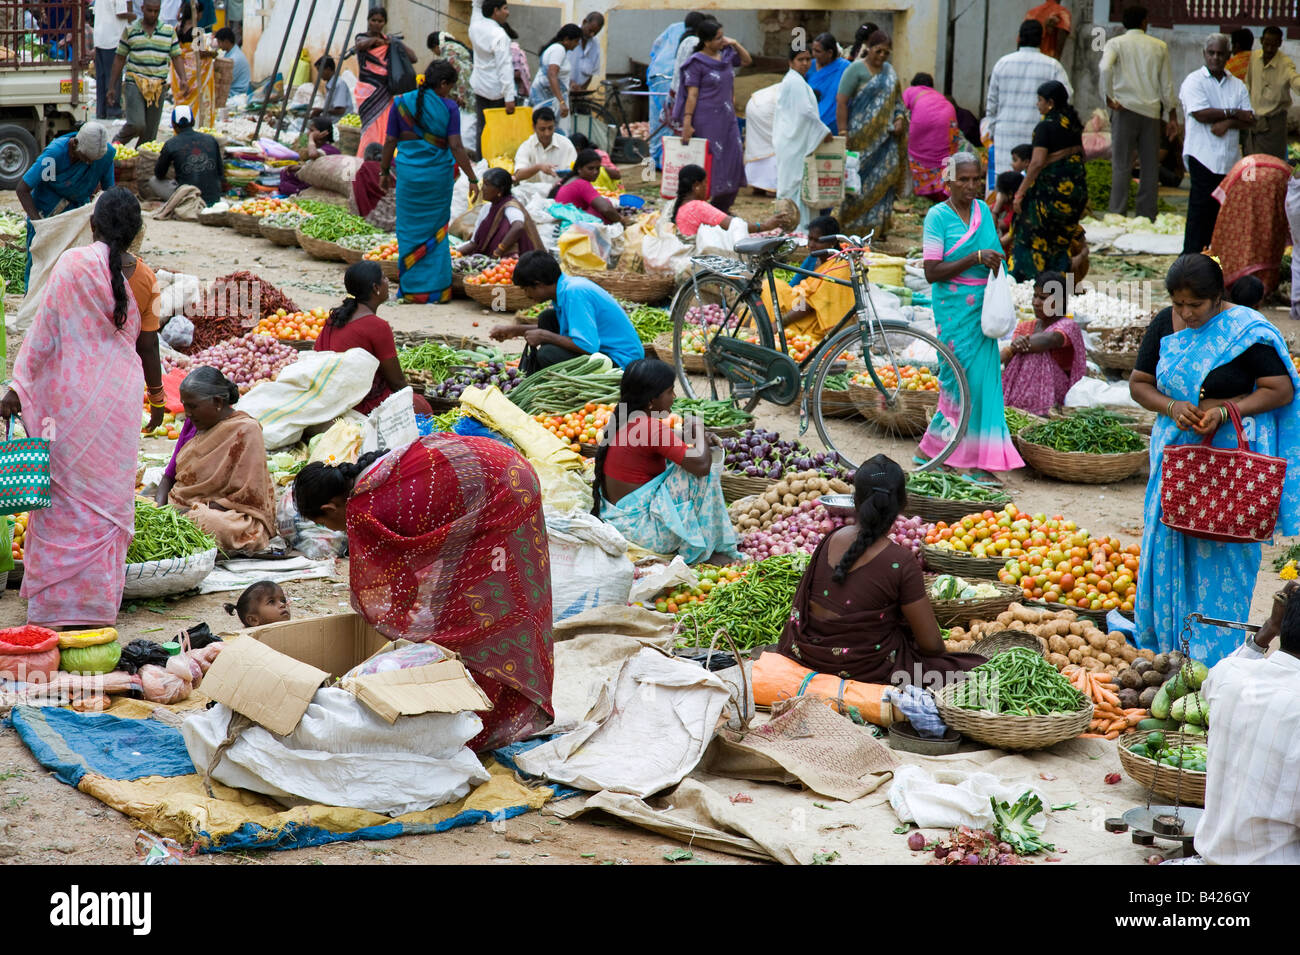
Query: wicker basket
point(911, 414)
point(409, 339)
point(439, 404)
point(318, 248)
point(245, 224)
point(990, 646)
point(956, 613)
point(693, 364)
point(631, 286)
point(1083, 613)
point(1014, 733)
point(298, 344)
point(1077, 467)
point(349, 139)
point(736, 486)
point(516, 299)
point(953, 562)
point(458, 285)
point(214, 218)
point(837, 404)
point(935, 509)
point(1141, 420)
point(1114, 360)
point(390, 267)
point(1183, 785)
point(278, 234)
point(350, 256)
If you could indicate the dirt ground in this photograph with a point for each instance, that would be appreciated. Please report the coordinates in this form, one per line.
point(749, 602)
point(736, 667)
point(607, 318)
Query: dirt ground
point(44, 821)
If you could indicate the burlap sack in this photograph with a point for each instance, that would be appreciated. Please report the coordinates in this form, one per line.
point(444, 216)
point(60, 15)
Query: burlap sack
point(334, 173)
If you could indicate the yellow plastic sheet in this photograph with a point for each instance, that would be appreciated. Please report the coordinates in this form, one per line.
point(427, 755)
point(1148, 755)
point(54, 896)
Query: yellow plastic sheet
point(502, 134)
point(534, 442)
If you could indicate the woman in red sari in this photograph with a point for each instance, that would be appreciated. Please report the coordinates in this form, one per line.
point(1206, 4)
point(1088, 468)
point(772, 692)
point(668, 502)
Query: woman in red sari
point(1251, 232)
point(447, 544)
point(503, 226)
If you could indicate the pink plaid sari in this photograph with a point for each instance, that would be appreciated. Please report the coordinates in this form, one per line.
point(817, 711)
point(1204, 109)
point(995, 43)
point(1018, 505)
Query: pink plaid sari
point(81, 385)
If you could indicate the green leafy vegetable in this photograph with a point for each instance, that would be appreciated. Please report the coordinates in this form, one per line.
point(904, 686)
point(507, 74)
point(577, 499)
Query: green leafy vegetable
point(1011, 824)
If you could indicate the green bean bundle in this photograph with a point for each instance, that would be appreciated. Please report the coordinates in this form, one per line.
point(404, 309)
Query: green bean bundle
point(569, 385)
point(950, 487)
point(1018, 682)
point(163, 533)
point(753, 609)
point(714, 414)
point(650, 322)
point(1092, 431)
point(433, 358)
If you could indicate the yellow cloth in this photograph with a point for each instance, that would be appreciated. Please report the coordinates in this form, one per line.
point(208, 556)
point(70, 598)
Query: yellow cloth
point(577, 253)
point(607, 183)
point(534, 442)
point(202, 94)
point(150, 87)
point(829, 302)
point(1270, 84)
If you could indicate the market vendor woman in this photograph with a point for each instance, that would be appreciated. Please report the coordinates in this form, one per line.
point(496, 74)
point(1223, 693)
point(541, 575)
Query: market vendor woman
point(661, 489)
point(861, 611)
point(1047, 355)
point(218, 476)
point(447, 543)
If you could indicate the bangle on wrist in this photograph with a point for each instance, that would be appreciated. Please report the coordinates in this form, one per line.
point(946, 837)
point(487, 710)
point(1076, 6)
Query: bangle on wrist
point(1223, 413)
point(1169, 409)
point(157, 404)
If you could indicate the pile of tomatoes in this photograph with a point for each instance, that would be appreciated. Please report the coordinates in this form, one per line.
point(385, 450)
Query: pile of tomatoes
point(293, 326)
point(170, 427)
point(20, 531)
point(264, 207)
point(500, 274)
point(585, 426)
point(387, 252)
point(710, 578)
point(913, 378)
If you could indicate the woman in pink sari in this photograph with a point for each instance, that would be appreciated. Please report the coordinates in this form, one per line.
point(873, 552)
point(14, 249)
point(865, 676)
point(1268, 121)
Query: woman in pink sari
point(932, 136)
point(78, 381)
point(372, 77)
point(1047, 355)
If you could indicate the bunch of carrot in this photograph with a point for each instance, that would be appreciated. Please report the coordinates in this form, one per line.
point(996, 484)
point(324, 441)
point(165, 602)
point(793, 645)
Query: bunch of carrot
point(1109, 719)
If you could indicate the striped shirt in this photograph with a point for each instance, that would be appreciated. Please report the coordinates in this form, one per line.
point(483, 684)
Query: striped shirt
point(1012, 104)
point(149, 54)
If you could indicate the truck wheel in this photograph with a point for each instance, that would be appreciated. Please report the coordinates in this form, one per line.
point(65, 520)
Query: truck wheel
point(17, 153)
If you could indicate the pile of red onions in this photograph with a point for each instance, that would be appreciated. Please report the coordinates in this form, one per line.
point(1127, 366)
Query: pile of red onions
point(910, 532)
point(246, 361)
point(810, 522)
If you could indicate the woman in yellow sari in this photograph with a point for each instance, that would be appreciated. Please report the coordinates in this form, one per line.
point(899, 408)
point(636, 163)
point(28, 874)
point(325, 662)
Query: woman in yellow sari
point(811, 306)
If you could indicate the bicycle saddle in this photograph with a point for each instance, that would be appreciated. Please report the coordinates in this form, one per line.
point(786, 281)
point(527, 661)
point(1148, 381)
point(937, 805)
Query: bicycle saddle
point(760, 245)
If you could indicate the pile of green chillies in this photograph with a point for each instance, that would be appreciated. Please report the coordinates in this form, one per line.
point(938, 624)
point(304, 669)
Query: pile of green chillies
point(163, 533)
point(1018, 421)
point(714, 413)
point(1090, 431)
point(951, 487)
point(753, 609)
point(1018, 682)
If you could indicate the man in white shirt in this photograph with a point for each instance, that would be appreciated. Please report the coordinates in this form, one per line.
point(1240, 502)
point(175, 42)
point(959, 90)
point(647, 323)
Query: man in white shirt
point(584, 59)
point(1252, 780)
point(1012, 103)
point(1216, 105)
point(493, 77)
point(111, 18)
point(541, 155)
point(1137, 83)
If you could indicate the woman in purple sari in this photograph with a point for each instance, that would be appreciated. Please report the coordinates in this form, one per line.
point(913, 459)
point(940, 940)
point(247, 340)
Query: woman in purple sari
point(708, 80)
point(503, 226)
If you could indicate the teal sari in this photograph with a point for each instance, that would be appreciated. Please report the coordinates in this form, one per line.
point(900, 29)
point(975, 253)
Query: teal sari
point(676, 513)
point(426, 172)
point(882, 156)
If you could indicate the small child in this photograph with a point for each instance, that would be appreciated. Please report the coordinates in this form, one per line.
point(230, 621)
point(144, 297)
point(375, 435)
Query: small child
point(1020, 157)
point(1004, 204)
point(261, 603)
point(1247, 291)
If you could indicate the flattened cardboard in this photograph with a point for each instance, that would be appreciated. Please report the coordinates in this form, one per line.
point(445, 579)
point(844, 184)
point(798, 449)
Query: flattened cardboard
point(271, 673)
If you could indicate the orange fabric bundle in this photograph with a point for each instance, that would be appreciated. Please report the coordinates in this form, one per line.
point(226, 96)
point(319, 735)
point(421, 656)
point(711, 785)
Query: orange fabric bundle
point(776, 677)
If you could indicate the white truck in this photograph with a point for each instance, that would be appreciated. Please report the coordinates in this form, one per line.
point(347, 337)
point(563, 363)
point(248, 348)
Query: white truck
point(42, 93)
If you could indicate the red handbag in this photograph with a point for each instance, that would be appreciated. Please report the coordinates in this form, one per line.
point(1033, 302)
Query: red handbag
point(1221, 494)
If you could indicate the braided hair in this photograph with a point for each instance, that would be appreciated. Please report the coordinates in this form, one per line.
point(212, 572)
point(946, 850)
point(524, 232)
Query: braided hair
point(644, 380)
point(318, 483)
point(879, 491)
point(116, 222)
point(361, 279)
point(687, 177)
point(436, 73)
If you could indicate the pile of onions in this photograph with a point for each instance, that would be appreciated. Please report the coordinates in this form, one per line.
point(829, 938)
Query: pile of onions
point(910, 532)
point(801, 530)
point(246, 361)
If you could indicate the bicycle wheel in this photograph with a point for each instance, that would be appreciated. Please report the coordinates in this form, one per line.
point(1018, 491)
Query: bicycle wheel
point(700, 307)
point(891, 421)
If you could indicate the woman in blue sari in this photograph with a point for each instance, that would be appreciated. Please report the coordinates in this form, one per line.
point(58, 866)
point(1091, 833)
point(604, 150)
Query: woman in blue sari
point(427, 125)
point(870, 110)
point(960, 250)
point(824, 78)
point(1196, 358)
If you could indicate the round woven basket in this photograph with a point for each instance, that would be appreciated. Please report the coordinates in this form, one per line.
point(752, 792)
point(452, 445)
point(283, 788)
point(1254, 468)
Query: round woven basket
point(736, 486)
point(390, 267)
point(837, 404)
point(458, 285)
point(694, 364)
point(953, 562)
point(956, 613)
point(277, 234)
point(409, 339)
point(1014, 733)
point(516, 299)
point(1183, 785)
point(1076, 467)
point(245, 224)
point(1141, 420)
point(631, 286)
point(350, 256)
point(990, 646)
point(440, 404)
point(910, 415)
point(1114, 360)
point(214, 218)
point(318, 248)
point(935, 509)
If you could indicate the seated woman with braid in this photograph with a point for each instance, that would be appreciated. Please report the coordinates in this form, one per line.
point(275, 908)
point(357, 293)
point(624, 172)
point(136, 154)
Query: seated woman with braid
point(861, 611)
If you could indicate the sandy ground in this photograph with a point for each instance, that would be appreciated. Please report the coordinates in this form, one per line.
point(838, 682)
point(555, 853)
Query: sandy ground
point(44, 821)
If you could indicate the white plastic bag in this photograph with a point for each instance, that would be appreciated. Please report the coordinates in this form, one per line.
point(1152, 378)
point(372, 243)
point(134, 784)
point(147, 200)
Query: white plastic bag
point(589, 563)
point(676, 574)
point(663, 252)
point(178, 332)
point(676, 155)
point(715, 240)
point(1090, 392)
point(952, 798)
point(998, 315)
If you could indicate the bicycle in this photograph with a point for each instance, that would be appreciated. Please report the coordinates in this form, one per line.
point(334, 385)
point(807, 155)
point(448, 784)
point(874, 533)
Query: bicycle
point(625, 147)
point(720, 315)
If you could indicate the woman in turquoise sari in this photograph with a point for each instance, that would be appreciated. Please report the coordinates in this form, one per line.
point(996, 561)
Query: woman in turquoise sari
point(1197, 358)
point(870, 110)
point(427, 125)
point(960, 248)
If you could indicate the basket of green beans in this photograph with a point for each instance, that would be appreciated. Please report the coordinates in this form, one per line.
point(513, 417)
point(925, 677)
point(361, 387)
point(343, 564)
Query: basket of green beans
point(169, 553)
point(1016, 701)
point(721, 417)
point(941, 496)
point(1090, 446)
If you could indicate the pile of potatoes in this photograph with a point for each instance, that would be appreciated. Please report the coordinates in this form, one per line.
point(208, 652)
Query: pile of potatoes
point(1065, 636)
point(783, 499)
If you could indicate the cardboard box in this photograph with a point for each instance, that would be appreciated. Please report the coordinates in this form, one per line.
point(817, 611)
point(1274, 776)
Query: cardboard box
point(271, 673)
point(823, 174)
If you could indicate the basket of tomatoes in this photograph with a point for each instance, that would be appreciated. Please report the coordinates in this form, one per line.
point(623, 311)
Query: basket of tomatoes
point(296, 329)
point(581, 430)
point(492, 288)
point(913, 404)
point(387, 256)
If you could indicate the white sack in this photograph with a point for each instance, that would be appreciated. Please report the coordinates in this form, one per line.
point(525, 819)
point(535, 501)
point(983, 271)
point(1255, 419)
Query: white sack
point(316, 388)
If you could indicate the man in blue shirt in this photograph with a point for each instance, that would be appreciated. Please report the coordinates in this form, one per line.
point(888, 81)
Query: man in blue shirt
point(240, 76)
point(586, 319)
point(65, 176)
